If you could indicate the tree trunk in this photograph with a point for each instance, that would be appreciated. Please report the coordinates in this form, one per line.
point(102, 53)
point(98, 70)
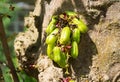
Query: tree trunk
point(99, 49)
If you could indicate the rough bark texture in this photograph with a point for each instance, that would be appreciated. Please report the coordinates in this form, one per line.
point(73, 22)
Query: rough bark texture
point(99, 49)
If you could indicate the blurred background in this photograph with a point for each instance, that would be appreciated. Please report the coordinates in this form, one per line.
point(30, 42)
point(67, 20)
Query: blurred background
point(12, 26)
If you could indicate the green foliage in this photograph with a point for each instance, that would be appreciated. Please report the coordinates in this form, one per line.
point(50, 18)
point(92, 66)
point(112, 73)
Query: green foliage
point(4, 11)
point(6, 23)
point(25, 78)
point(6, 74)
point(4, 1)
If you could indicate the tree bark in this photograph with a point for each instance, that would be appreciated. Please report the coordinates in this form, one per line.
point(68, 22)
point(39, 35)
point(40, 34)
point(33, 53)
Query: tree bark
point(98, 50)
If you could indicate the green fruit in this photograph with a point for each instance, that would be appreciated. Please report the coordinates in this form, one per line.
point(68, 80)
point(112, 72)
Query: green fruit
point(74, 49)
point(65, 35)
point(71, 81)
point(51, 25)
point(59, 57)
point(76, 35)
point(50, 28)
point(50, 51)
point(80, 24)
point(55, 31)
point(51, 39)
point(82, 27)
point(57, 54)
point(63, 61)
point(71, 13)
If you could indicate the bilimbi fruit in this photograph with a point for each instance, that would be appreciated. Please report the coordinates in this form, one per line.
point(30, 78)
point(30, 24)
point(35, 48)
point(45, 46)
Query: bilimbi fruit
point(63, 37)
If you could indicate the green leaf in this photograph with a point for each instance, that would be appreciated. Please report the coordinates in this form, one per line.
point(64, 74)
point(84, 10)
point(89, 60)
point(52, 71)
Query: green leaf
point(6, 74)
point(25, 78)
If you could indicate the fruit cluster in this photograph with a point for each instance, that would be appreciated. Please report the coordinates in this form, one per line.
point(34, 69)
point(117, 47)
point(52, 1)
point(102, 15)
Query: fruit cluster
point(63, 37)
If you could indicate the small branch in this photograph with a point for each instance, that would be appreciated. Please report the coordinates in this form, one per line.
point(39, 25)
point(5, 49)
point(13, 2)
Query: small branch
point(7, 51)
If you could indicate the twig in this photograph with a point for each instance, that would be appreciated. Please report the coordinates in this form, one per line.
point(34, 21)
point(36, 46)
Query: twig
point(7, 51)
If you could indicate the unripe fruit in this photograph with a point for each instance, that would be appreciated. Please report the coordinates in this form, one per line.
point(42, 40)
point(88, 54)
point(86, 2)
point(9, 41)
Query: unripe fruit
point(76, 35)
point(65, 35)
point(71, 81)
point(50, 51)
point(70, 13)
point(51, 39)
point(55, 31)
point(59, 57)
point(80, 24)
point(82, 27)
point(57, 54)
point(63, 60)
point(74, 49)
point(51, 25)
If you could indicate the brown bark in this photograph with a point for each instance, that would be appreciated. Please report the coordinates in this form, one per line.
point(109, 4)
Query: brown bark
point(98, 50)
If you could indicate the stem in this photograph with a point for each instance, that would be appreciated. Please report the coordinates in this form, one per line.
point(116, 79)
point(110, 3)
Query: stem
point(7, 51)
point(67, 66)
